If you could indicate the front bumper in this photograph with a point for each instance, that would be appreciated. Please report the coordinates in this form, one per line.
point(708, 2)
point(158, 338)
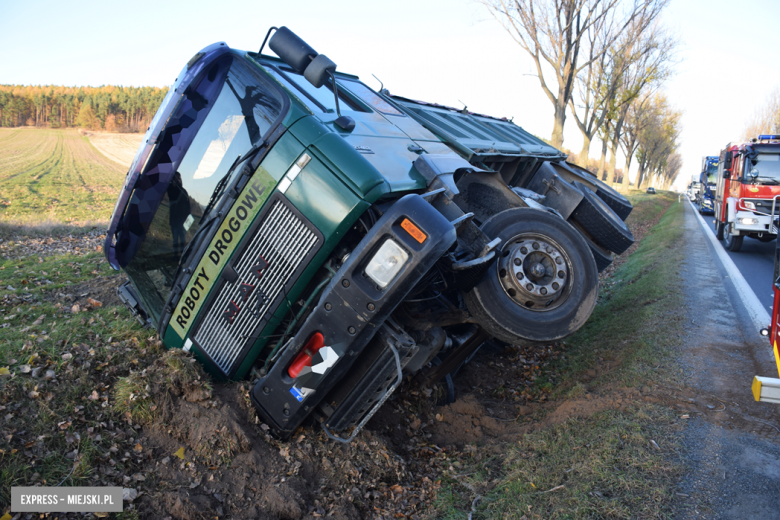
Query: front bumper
point(350, 311)
point(749, 222)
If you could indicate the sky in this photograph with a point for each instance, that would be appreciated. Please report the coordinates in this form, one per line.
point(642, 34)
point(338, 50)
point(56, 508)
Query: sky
point(446, 51)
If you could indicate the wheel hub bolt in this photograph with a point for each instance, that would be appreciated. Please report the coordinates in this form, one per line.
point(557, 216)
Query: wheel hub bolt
point(530, 287)
point(543, 290)
point(518, 261)
point(535, 245)
point(524, 250)
point(558, 261)
point(520, 276)
point(548, 250)
point(555, 286)
point(538, 270)
point(561, 274)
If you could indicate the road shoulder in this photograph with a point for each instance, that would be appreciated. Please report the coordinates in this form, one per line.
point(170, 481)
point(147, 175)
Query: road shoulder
point(731, 447)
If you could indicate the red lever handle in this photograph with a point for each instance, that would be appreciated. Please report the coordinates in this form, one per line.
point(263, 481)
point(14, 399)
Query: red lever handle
point(303, 359)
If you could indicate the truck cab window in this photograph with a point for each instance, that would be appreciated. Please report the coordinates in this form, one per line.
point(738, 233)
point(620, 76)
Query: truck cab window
point(320, 99)
point(371, 98)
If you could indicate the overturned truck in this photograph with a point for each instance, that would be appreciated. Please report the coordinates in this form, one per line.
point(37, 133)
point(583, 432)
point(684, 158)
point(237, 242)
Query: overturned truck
point(283, 221)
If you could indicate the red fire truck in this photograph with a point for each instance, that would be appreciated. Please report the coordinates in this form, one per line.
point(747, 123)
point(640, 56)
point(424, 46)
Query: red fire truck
point(748, 182)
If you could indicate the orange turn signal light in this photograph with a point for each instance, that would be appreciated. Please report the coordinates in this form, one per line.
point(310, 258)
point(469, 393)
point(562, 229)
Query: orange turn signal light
point(413, 230)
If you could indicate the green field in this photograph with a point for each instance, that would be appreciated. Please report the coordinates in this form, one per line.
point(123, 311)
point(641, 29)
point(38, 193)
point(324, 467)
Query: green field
point(55, 177)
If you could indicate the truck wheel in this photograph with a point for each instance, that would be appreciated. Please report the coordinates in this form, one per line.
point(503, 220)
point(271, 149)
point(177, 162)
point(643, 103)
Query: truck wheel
point(719, 230)
point(732, 242)
point(601, 223)
point(617, 202)
point(602, 257)
point(605, 192)
point(544, 283)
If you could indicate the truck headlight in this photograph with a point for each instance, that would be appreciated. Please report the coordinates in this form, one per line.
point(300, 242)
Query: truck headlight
point(386, 263)
point(748, 204)
point(748, 221)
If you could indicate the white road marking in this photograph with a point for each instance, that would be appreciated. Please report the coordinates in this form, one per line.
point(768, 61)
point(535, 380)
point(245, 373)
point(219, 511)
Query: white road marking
point(755, 309)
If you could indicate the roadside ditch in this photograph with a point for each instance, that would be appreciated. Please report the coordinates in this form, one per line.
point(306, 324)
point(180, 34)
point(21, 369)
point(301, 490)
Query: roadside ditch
point(584, 427)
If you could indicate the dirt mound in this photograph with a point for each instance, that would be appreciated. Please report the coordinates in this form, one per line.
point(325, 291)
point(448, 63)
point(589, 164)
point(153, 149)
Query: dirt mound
point(468, 421)
point(591, 404)
point(206, 454)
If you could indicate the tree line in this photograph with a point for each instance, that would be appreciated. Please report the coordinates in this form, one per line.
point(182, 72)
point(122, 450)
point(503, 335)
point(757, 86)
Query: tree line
point(109, 108)
point(766, 119)
point(603, 62)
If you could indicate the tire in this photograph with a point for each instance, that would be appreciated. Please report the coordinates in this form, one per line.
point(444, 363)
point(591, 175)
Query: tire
point(731, 242)
point(613, 198)
point(601, 223)
point(601, 256)
point(620, 206)
point(505, 308)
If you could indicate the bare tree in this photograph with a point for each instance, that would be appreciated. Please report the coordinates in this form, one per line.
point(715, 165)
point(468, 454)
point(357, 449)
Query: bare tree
point(637, 119)
point(766, 119)
point(658, 140)
point(672, 169)
point(554, 33)
point(649, 58)
point(608, 82)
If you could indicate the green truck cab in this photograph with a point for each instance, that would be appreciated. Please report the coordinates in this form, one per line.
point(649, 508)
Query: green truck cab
point(283, 221)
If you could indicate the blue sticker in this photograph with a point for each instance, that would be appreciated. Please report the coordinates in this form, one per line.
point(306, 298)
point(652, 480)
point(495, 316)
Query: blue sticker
point(297, 393)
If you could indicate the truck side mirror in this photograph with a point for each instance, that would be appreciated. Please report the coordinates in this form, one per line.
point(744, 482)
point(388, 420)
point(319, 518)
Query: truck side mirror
point(291, 49)
point(728, 160)
point(319, 70)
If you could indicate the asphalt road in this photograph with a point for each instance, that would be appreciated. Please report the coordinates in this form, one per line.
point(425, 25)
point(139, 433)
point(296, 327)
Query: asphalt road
point(756, 262)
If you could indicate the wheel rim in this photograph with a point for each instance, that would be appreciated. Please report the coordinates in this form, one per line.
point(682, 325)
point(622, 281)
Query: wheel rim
point(535, 272)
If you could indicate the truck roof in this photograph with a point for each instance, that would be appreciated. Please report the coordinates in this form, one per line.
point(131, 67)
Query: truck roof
point(474, 134)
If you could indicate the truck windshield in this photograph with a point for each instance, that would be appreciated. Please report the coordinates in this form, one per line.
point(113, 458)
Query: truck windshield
point(763, 167)
point(712, 173)
point(245, 109)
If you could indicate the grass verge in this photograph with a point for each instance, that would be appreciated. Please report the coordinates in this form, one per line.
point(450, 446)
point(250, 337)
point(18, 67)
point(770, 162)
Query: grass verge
point(59, 362)
point(618, 461)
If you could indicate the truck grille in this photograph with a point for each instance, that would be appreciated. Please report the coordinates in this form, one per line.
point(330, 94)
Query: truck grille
point(283, 241)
